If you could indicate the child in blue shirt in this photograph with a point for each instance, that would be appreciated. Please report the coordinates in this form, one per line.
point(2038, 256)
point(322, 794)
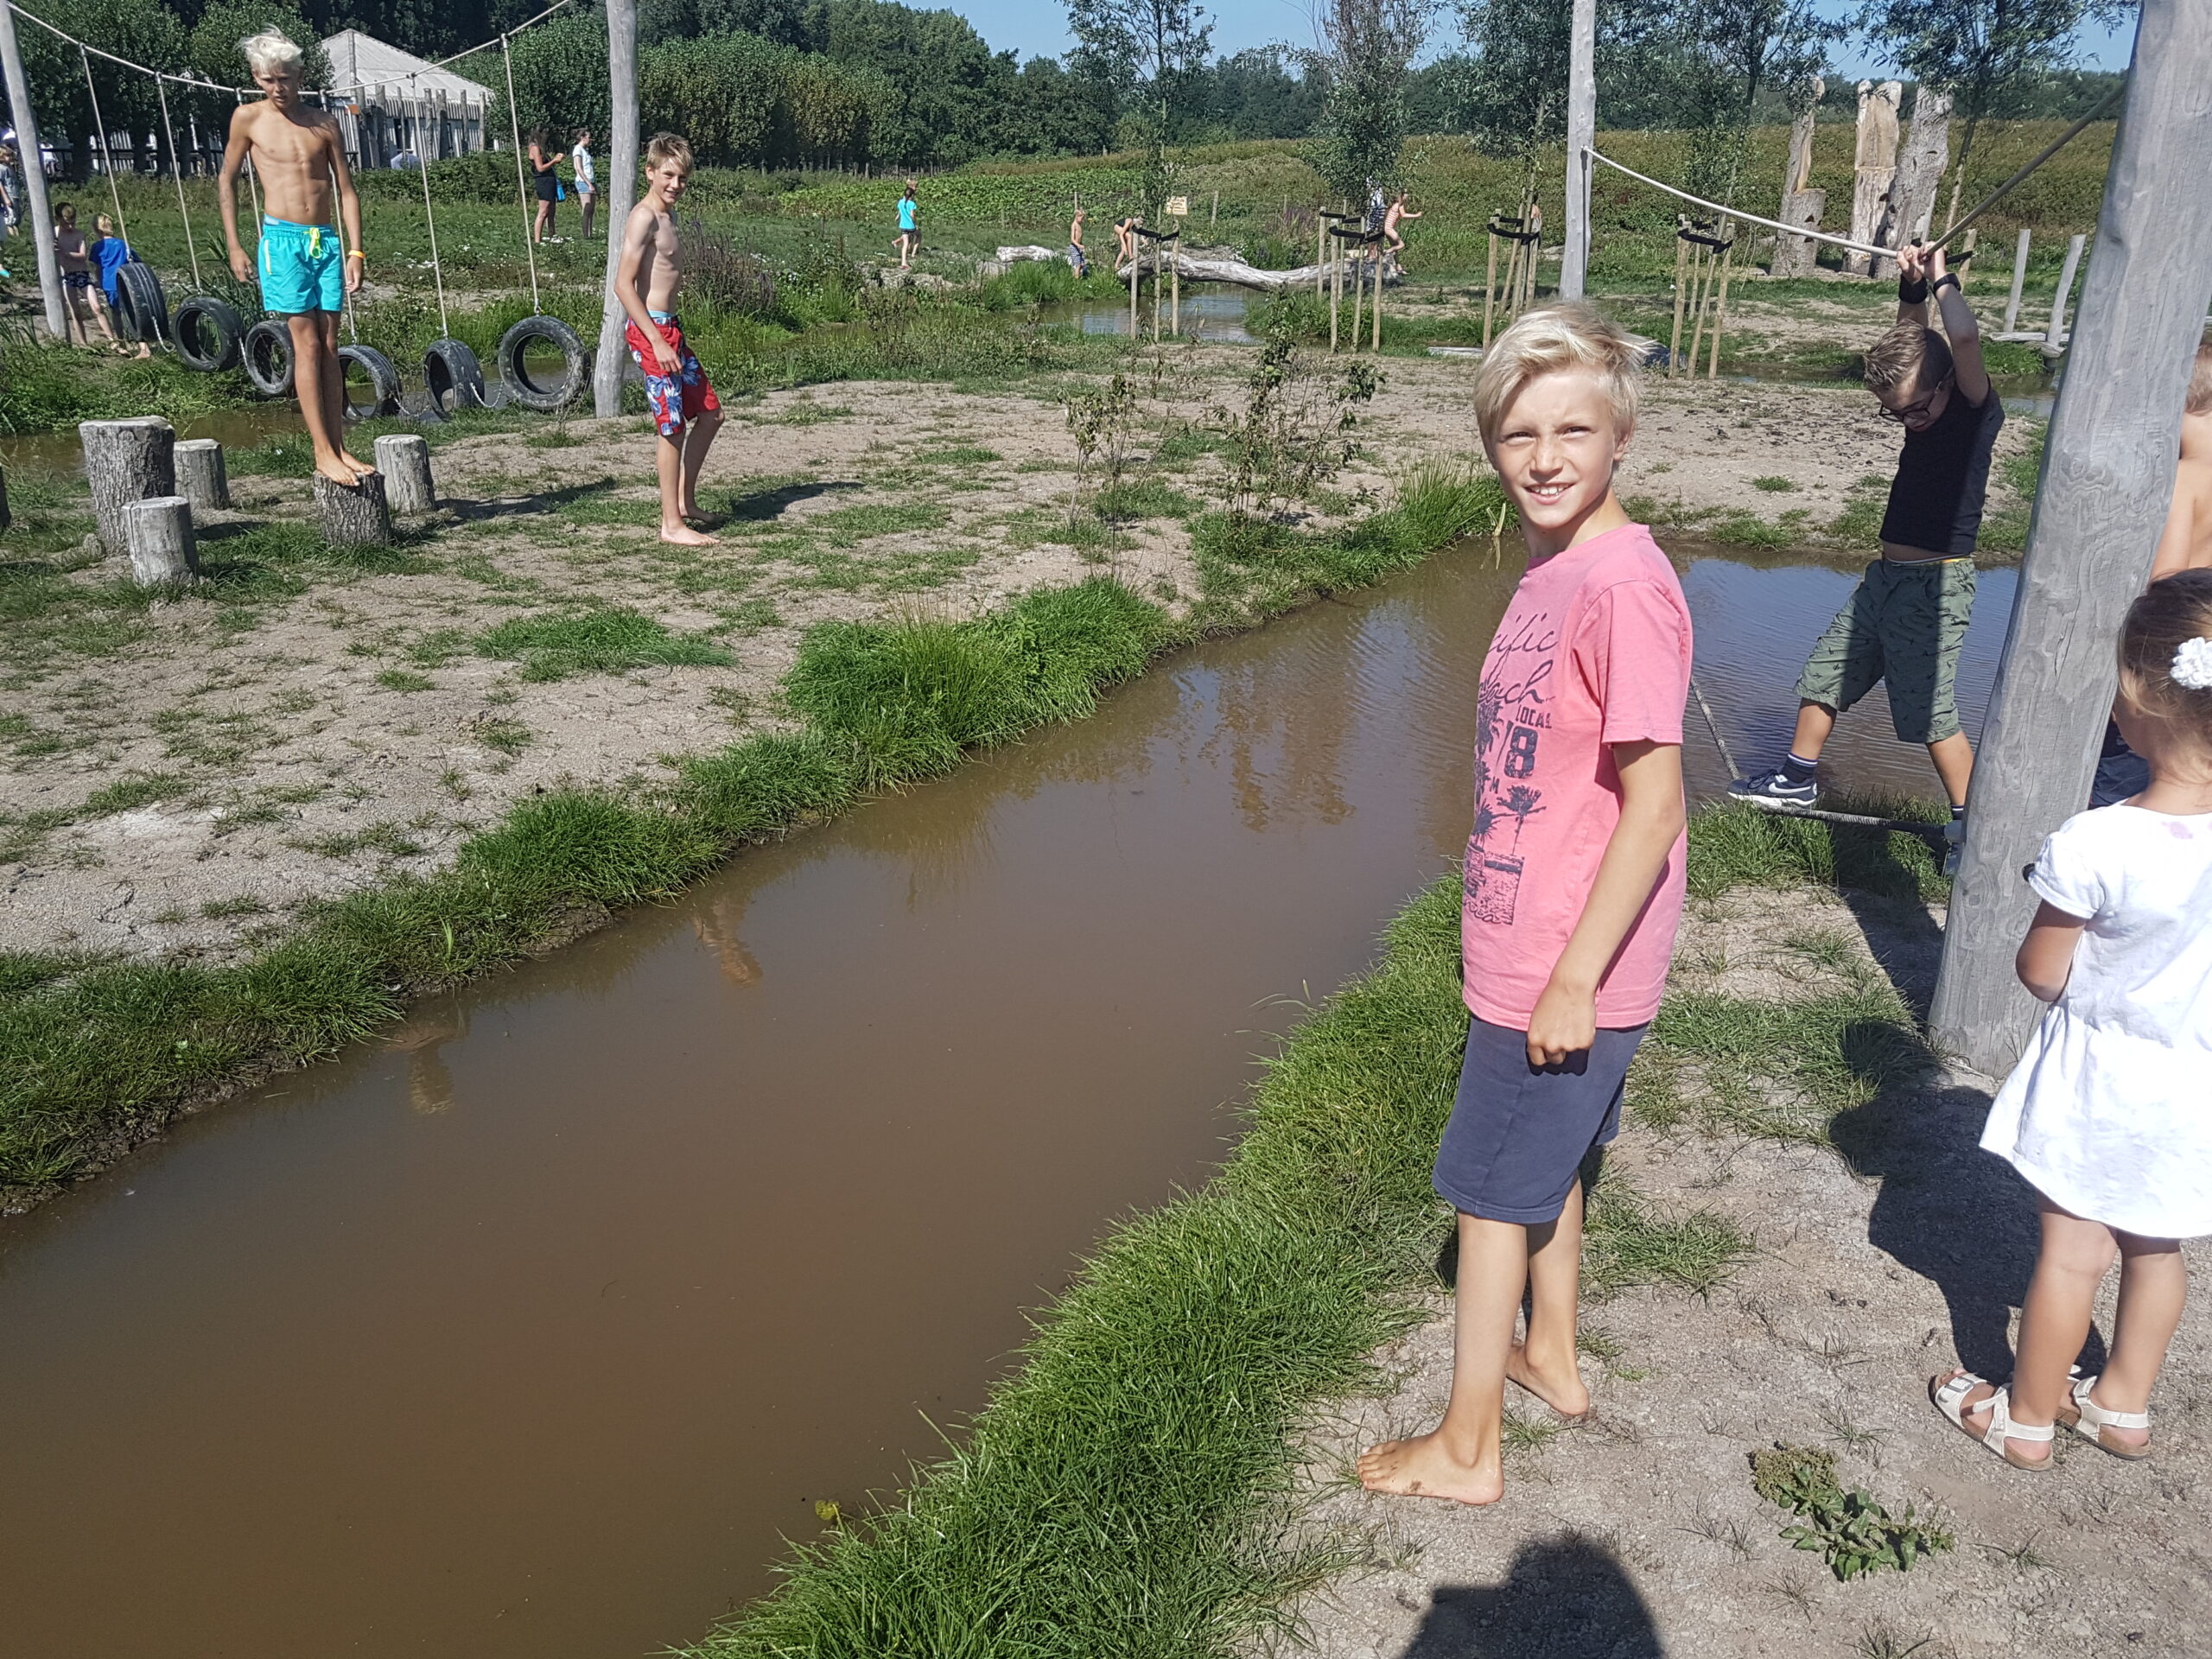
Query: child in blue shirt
point(113, 253)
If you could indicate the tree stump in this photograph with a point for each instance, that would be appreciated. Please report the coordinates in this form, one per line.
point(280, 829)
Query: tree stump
point(353, 518)
point(127, 462)
point(403, 458)
point(158, 533)
point(201, 478)
point(1799, 255)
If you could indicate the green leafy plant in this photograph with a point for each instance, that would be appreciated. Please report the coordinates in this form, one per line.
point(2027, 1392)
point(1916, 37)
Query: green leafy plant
point(1852, 1529)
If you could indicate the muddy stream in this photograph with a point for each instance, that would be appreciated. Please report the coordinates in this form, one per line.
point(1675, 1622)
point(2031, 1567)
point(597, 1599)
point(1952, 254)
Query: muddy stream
point(534, 1329)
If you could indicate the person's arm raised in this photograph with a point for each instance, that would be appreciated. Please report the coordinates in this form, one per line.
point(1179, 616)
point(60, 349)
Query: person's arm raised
point(1960, 328)
point(1652, 816)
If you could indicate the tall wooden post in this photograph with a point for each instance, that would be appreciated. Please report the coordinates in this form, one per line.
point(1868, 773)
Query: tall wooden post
point(623, 165)
point(2054, 336)
point(34, 176)
point(2020, 276)
point(1681, 297)
point(1490, 285)
point(1582, 133)
point(2108, 473)
point(1336, 288)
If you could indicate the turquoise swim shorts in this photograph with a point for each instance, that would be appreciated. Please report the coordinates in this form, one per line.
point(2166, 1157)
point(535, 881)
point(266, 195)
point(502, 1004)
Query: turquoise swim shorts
point(303, 268)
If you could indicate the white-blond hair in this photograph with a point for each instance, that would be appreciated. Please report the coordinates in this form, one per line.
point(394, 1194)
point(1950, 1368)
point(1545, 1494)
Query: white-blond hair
point(269, 50)
point(1570, 336)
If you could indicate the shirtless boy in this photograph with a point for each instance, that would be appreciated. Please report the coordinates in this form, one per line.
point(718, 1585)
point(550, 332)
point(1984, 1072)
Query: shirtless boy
point(676, 388)
point(1394, 239)
point(80, 294)
point(1907, 620)
point(305, 271)
point(1078, 260)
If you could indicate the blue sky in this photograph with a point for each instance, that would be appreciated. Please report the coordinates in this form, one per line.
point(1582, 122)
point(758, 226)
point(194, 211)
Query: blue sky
point(1032, 27)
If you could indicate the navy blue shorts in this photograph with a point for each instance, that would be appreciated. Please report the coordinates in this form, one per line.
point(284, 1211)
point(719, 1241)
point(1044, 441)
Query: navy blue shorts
point(1518, 1134)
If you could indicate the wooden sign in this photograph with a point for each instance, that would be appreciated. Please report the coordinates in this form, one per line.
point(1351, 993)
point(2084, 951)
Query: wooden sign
point(1179, 206)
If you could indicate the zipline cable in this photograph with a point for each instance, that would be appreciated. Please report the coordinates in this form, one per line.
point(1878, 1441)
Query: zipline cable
point(176, 171)
point(2048, 152)
point(514, 115)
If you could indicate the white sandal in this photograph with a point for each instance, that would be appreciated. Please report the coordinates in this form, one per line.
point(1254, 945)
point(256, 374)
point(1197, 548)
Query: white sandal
point(1949, 1396)
point(2091, 1420)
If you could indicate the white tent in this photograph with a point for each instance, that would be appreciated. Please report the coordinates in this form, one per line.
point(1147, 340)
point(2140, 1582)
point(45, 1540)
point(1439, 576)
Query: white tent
point(390, 102)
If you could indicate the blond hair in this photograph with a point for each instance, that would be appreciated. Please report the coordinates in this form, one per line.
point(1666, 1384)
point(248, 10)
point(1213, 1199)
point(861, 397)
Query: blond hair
point(665, 147)
point(270, 51)
point(2200, 382)
point(2167, 615)
point(1565, 338)
point(1910, 354)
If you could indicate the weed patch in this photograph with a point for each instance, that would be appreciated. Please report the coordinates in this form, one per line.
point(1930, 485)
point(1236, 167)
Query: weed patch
point(1850, 1530)
point(607, 640)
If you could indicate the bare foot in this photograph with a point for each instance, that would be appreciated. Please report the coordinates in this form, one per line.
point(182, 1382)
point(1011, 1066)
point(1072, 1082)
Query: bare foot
point(338, 471)
point(1421, 1467)
point(1564, 1392)
point(1974, 1414)
point(684, 536)
point(361, 469)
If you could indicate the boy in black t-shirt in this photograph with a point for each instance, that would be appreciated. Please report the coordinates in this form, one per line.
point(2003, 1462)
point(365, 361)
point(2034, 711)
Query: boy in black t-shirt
point(1907, 619)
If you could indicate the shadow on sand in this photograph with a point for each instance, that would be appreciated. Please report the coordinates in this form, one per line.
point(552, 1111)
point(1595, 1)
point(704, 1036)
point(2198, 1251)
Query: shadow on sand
point(1564, 1597)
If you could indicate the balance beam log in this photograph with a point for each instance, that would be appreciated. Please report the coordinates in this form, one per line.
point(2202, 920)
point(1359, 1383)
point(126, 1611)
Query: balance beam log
point(404, 459)
point(359, 517)
point(127, 462)
point(201, 477)
point(157, 532)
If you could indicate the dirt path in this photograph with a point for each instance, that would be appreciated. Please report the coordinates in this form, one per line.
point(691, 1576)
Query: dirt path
point(1639, 1534)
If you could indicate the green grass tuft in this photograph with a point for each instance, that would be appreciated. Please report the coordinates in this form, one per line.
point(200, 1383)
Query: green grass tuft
point(606, 640)
point(1736, 845)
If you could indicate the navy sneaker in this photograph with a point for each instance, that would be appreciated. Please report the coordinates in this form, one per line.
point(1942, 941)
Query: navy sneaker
point(1771, 789)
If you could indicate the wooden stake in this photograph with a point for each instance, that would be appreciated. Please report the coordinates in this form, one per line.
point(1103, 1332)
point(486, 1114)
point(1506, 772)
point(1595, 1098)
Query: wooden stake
point(2054, 336)
point(1336, 297)
point(1490, 285)
point(2019, 275)
point(1137, 265)
point(1675, 340)
point(1701, 291)
point(1358, 293)
point(1720, 317)
point(1378, 298)
point(1175, 286)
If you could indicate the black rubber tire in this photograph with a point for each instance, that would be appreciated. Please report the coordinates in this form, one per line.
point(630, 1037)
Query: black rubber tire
point(384, 382)
point(265, 354)
point(564, 389)
point(142, 310)
point(453, 380)
point(205, 311)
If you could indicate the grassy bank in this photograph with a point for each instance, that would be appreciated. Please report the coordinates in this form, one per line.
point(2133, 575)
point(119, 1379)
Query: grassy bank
point(95, 1055)
point(1131, 1489)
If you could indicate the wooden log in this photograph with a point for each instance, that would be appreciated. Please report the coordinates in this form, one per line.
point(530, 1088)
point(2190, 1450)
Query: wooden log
point(1920, 161)
point(1378, 298)
point(127, 462)
point(157, 533)
point(1675, 339)
point(2054, 336)
point(2019, 277)
point(201, 477)
point(403, 458)
point(357, 517)
point(1358, 292)
point(1175, 289)
point(1721, 314)
point(1799, 255)
point(1490, 285)
point(2108, 475)
point(1336, 294)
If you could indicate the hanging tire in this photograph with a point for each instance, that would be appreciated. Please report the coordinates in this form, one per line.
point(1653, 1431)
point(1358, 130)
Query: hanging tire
point(141, 309)
point(265, 354)
point(546, 393)
point(384, 382)
point(207, 331)
point(453, 380)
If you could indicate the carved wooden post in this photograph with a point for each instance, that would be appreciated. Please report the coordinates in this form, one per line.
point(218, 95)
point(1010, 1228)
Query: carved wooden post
point(2020, 276)
point(158, 531)
point(1875, 166)
point(2107, 474)
point(2054, 336)
point(353, 518)
point(127, 462)
point(1801, 205)
point(201, 477)
point(1921, 161)
point(403, 458)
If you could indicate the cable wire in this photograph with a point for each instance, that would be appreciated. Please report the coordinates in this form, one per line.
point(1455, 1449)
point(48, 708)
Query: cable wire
point(514, 115)
point(176, 171)
point(107, 156)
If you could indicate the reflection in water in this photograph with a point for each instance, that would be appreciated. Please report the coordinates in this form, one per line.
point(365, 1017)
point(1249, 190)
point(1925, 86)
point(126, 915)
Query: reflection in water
point(537, 1328)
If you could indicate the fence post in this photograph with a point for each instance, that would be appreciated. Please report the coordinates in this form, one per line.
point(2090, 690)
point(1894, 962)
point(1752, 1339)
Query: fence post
point(622, 162)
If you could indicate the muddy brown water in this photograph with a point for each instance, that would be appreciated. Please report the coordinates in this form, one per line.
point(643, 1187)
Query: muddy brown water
point(536, 1328)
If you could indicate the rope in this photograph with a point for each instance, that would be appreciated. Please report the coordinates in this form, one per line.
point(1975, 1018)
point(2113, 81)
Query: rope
point(1714, 725)
point(176, 171)
point(1737, 212)
point(422, 166)
point(107, 157)
point(514, 116)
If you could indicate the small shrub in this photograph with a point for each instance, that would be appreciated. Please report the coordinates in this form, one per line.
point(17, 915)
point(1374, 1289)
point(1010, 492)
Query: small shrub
point(1855, 1534)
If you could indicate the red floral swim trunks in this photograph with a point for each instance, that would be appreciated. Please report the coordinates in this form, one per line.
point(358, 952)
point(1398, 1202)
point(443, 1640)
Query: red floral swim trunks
point(673, 398)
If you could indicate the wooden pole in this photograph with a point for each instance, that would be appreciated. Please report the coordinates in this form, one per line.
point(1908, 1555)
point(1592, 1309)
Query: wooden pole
point(1155, 293)
point(1582, 133)
point(1378, 297)
point(1675, 339)
point(1701, 292)
point(623, 165)
point(2020, 276)
point(1720, 315)
point(1336, 293)
point(1137, 265)
point(1320, 252)
point(33, 172)
point(1175, 286)
point(1358, 291)
point(1490, 285)
point(2054, 336)
point(2107, 474)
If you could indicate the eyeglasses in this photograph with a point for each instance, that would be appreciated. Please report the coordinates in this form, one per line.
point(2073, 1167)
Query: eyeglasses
point(1912, 412)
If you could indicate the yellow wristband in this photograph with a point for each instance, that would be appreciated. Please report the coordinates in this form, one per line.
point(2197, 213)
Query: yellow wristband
point(355, 253)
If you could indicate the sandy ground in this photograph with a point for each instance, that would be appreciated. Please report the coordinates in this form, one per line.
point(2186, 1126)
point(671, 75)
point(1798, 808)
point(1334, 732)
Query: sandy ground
point(1639, 1534)
point(294, 749)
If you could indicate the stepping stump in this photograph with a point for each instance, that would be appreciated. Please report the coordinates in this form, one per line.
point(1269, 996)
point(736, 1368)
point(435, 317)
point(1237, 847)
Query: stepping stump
point(201, 478)
point(404, 459)
point(158, 534)
point(127, 462)
point(355, 517)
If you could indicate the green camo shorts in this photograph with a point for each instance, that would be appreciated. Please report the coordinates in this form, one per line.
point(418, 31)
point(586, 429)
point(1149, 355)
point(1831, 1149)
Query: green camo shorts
point(1904, 624)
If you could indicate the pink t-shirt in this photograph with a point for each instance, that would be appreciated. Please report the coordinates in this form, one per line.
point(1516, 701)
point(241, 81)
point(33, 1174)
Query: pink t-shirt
point(1593, 650)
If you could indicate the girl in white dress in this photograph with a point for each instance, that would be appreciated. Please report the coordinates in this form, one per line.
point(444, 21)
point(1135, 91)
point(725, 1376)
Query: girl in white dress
point(2109, 1113)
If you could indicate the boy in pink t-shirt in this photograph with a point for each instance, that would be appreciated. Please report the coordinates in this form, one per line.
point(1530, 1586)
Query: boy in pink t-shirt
point(1572, 883)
